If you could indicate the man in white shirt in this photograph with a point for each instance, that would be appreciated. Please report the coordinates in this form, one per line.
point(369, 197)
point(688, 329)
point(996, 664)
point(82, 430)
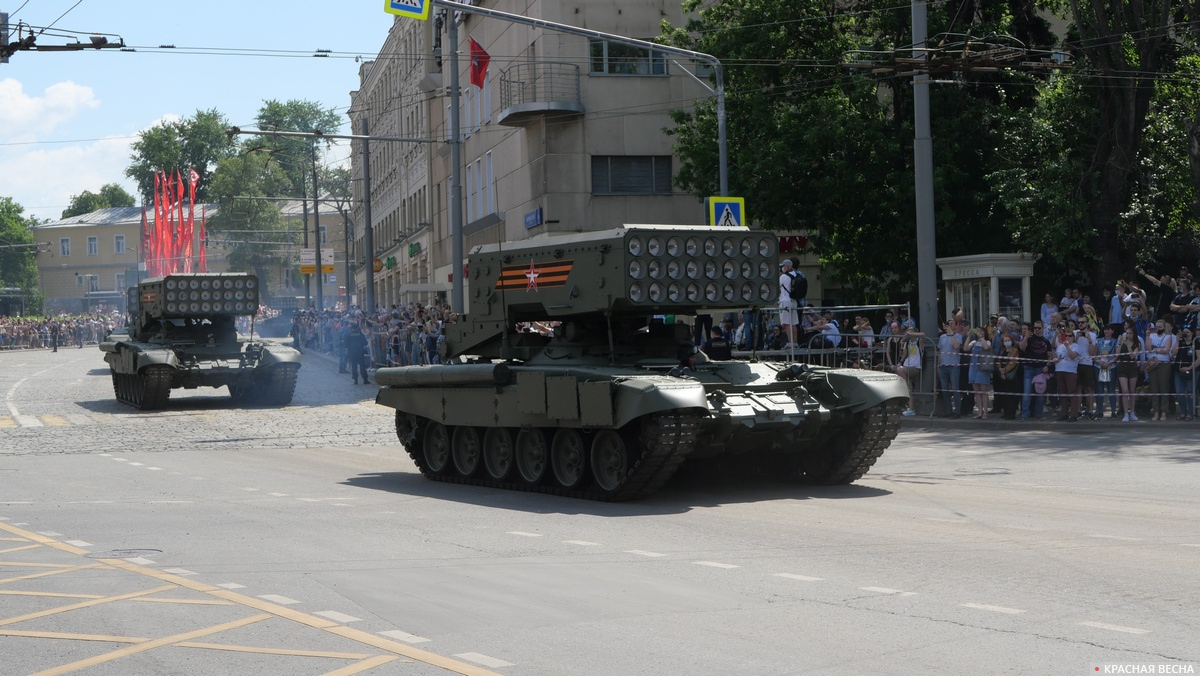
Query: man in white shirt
point(788, 317)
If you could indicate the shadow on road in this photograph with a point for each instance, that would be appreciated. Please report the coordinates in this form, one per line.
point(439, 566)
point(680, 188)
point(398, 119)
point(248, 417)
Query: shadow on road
point(689, 489)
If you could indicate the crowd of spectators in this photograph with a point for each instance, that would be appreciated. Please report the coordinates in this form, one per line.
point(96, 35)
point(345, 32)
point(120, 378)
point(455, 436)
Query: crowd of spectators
point(401, 335)
point(60, 330)
point(1135, 355)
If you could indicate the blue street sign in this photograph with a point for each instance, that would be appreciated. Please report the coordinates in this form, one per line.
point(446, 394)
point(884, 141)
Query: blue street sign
point(727, 212)
point(413, 9)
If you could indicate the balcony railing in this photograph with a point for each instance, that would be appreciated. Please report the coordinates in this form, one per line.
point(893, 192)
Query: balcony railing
point(538, 89)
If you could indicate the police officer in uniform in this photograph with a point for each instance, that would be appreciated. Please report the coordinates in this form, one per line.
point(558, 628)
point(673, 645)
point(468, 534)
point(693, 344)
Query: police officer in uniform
point(718, 346)
point(356, 346)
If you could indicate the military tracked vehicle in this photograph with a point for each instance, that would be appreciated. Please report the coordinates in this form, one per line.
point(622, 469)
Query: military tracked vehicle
point(181, 333)
point(603, 408)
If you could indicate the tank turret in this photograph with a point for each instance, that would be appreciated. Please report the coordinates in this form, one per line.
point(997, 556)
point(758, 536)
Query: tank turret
point(182, 333)
point(573, 372)
point(635, 272)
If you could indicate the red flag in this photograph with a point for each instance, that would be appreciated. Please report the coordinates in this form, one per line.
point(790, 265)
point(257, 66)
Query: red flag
point(155, 268)
point(189, 226)
point(181, 246)
point(203, 244)
point(479, 64)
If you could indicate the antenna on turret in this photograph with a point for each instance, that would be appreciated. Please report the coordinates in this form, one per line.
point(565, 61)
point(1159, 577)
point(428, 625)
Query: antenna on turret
point(506, 351)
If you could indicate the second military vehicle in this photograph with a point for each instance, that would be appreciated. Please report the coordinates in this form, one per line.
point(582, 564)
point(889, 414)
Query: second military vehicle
point(610, 404)
point(181, 334)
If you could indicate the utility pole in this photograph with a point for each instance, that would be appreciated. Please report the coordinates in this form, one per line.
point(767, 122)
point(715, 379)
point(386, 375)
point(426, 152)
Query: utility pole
point(317, 233)
point(368, 229)
point(456, 220)
point(307, 278)
point(923, 179)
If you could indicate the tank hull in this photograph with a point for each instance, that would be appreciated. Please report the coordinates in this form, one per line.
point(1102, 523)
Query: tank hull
point(820, 426)
point(256, 372)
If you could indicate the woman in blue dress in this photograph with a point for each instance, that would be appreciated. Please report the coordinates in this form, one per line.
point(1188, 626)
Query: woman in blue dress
point(980, 379)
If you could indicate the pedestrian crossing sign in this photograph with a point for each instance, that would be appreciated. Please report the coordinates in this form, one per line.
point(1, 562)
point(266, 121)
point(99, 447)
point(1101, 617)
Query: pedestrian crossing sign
point(727, 212)
point(413, 9)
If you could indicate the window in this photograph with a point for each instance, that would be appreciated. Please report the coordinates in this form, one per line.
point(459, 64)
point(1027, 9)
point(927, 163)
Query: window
point(64, 246)
point(93, 246)
point(470, 190)
point(119, 247)
point(119, 280)
point(79, 280)
point(631, 175)
point(491, 186)
point(610, 58)
point(323, 236)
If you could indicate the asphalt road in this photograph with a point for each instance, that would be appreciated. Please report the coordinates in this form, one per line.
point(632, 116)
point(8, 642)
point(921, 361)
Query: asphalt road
point(208, 539)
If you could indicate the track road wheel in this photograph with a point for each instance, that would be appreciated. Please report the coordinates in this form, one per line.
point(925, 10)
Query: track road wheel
point(498, 453)
point(851, 449)
point(464, 445)
point(437, 448)
point(410, 430)
point(153, 387)
point(278, 387)
point(569, 458)
point(532, 455)
point(609, 460)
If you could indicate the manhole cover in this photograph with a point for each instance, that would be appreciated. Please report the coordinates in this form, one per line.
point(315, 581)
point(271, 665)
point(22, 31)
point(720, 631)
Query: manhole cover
point(124, 553)
point(982, 471)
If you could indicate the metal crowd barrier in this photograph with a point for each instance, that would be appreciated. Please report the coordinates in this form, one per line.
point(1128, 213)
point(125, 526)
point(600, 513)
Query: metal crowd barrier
point(1055, 400)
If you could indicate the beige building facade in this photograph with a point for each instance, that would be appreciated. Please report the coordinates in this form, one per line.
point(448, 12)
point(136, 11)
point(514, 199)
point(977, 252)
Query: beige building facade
point(566, 135)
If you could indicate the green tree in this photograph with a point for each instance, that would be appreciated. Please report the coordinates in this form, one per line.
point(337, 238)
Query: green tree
point(295, 155)
point(248, 221)
point(816, 147)
point(18, 256)
point(198, 142)
point(1126, 44)
point(110, 195)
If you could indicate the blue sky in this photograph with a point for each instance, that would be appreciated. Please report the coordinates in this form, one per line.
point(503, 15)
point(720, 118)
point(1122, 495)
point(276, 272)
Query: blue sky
point(67, 118)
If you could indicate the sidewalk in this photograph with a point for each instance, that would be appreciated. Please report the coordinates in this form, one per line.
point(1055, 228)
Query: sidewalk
point(995, 423)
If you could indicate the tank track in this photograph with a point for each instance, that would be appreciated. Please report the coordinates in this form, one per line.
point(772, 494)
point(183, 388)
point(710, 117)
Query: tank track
point(851, 450)
point(147, 390)
point(280, 386)
point(664, 439)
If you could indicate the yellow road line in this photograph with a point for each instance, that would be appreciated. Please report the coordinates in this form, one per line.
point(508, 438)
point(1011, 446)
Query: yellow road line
point(32, 576)
point(432, 659)
point(54, 594)
point(150, 645)
point(362, 666)
point(72, 637)
point(42, 539)
point(6, 421)
point(276, 651)
point(177, 580)
point(275, 609)
point(85, 604)
point(31, 564)
point(359, 636)
point(196, 602)
point(13, 540)
point(188, 644)
point(54, 420)
point(18, 549)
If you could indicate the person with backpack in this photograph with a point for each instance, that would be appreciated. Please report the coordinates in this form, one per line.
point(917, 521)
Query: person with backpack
point(793, 292)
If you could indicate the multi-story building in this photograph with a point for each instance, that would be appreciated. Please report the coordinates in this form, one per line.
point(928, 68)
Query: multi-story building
point(91, 259)
point(565, 135)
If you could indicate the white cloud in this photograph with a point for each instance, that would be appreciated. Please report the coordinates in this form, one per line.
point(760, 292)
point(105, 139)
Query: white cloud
point(24, 117)
point(44, 178)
